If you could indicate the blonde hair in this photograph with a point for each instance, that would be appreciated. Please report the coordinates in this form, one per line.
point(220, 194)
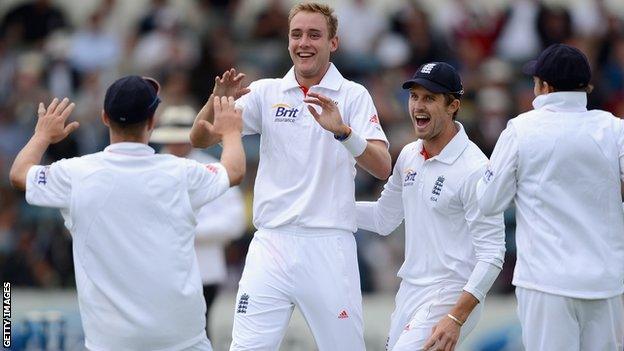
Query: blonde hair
point(315, 7)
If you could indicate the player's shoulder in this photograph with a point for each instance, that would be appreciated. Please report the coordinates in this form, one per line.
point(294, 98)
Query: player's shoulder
point(265, 84)
point(354, 88)
point(410, 150)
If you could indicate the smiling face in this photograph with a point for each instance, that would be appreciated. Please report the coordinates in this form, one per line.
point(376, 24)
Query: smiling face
point(431, 115)
point(310, 46)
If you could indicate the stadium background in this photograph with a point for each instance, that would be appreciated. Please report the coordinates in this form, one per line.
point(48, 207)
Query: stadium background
point(76, 48)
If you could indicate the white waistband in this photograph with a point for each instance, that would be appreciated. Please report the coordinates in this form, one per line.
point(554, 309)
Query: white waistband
point(303, 231)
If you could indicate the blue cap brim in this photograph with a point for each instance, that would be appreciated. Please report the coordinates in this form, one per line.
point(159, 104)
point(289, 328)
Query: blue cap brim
point(529, 67)
point(427, 84)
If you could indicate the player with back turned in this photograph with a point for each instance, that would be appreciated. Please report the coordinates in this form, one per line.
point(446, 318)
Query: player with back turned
point(315, 126)
point(563, 165)
point(131, 216)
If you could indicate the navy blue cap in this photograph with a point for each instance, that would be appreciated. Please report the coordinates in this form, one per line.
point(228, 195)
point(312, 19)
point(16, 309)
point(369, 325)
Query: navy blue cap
point(132, 99)
point(562, 66)
point(437, 77)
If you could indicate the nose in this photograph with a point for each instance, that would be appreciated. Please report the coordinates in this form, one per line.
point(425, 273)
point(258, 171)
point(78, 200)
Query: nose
point(304, 41)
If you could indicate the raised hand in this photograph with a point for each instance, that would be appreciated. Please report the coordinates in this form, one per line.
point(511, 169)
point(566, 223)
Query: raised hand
point(227, 119)
point(230, 84)
point(51, 121)
point(329, 118)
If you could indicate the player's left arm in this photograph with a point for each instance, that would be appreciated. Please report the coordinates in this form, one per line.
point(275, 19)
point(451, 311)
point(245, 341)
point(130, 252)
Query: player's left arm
point(488, 239)
point(50, 129)
point(372, 155)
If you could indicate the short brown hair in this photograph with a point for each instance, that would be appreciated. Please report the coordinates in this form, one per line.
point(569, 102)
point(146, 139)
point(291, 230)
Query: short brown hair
point(315, 7)
point(449, 98)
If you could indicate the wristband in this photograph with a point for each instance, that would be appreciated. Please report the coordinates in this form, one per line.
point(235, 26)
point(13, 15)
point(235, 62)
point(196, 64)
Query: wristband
point(354, 143)
point(455, 319)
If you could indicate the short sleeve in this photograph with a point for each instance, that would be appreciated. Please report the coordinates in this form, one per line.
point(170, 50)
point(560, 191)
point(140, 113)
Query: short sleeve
point(205, 182)
point(252, 111)
point(49, 186)
point(363, 119)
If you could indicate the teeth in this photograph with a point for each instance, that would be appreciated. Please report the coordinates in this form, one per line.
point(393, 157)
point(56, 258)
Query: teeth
point(305, 55)
point(422, 117)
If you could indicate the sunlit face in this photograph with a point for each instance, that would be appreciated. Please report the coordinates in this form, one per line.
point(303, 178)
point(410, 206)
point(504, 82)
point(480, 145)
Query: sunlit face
point(429, 112)
point(309, 45)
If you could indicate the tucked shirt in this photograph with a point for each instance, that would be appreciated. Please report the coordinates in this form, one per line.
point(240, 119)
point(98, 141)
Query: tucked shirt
point(305, 177)
point(131, 214)
point(445, 233)
point(562, 165)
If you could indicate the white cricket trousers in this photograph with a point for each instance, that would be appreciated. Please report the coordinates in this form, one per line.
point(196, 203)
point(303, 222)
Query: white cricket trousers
point(554, 322)
point(418, 309)
point(317, 273)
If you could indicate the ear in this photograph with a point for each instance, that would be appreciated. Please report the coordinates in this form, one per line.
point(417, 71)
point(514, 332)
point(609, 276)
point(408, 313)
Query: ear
point(453, 106)
point(333, 44)
point(105, 119)
point(151, 123)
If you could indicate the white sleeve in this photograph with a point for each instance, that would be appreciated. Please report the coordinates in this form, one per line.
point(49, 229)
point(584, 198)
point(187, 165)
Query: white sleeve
point(488, 239)
point(620, 143)
point(385, 214)
point(362, 117)
point(205, 182)
point(499, 183)
point(49, 186)
point(252, 110)
point(223, 219)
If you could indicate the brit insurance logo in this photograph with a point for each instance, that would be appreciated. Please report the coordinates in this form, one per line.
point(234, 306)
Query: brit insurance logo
point(285, 113)
point(410, 177)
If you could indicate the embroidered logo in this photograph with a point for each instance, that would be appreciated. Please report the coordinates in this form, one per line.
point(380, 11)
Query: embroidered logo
point(243, 303)
point(285, 113)
point(343, 314)
point(427, 68)
point(437, 188)
point(410, 177)
point(374, 119)
point(212, 169)
point(42, 175)
point(488, 175)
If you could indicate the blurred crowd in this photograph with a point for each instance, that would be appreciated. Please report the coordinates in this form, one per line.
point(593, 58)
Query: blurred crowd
point(45, 53)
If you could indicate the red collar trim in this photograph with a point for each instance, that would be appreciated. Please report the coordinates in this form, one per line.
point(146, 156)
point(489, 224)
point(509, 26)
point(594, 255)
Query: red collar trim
point(304, 90)
point(424, 153)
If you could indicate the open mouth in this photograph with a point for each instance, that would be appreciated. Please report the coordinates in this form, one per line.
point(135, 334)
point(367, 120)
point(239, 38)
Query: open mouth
point(421, 120)
point(305, 55)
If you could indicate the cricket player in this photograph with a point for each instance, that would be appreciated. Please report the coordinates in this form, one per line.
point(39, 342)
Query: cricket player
point(219, 221)
point(315, 125)
point(131, 216)
point(453, 253)
point(562, 165)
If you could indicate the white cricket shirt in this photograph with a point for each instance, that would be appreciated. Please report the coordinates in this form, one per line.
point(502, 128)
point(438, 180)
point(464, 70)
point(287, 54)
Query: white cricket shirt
point(305, 177)
point(445, 233)
point(131, 216)
point(562, 165)
point(218, 222)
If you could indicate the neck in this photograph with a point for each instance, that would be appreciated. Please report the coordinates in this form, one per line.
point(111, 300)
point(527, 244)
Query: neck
point(310, 81)
point(435, 145)
point(117, 138)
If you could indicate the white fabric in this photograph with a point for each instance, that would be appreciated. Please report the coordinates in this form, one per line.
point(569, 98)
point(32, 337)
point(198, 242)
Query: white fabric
point(218, 222)
point(445, 233)
point(318, 274)
point(418, 309)
point(562, 165)
point(130, 213)
point(553, 322)
point(355, 144)
point(481, 280)
point(305, 177)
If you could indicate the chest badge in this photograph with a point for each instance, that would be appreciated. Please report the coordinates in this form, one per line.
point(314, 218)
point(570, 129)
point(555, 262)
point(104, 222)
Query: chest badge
point(437, 188)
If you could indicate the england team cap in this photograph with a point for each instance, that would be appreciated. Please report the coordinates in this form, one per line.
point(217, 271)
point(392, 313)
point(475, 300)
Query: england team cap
point(132, 99)
point(437, 77)
point(562, 66)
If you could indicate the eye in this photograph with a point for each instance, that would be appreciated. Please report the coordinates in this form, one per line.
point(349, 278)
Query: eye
point(429, 98)
point(295, 35)
point(315, 35)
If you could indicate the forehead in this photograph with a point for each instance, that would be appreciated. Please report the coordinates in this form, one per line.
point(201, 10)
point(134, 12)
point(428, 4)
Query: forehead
point(305, 20)
point(420, 90)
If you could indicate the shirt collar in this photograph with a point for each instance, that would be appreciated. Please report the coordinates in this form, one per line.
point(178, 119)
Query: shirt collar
point(562, 101)
point(332, 79)
point(131, 149)
point(451, 152)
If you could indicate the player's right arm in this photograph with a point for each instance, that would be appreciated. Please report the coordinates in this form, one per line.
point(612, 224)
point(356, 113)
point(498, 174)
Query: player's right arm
point(499, 183)
point(385, 214)
point(229, 84)
point(50, 129)
point(228, 124)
